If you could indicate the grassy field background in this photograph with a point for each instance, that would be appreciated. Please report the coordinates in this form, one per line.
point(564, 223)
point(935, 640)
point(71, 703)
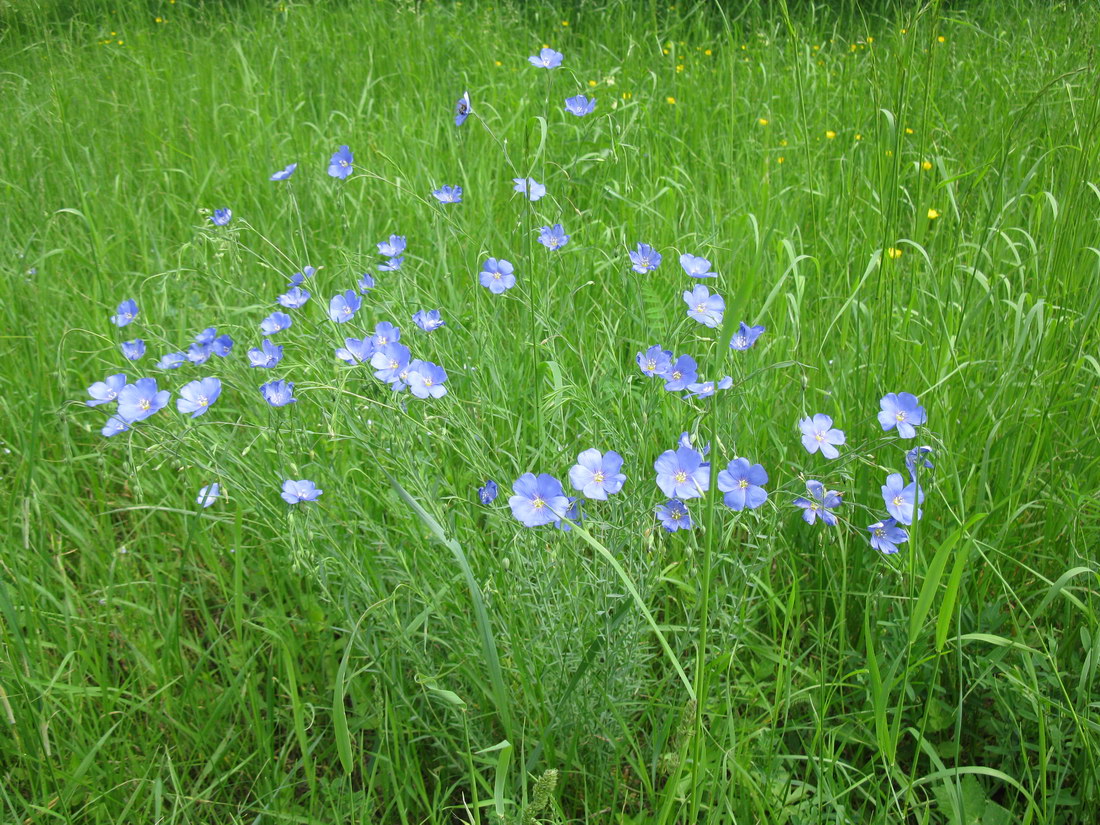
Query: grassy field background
point(399, 652)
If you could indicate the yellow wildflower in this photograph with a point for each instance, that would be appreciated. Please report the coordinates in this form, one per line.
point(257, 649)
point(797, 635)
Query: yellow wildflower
point(933, 214)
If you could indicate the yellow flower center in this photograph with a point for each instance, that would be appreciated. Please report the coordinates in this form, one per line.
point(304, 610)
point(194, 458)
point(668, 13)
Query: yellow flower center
point(650, 365)
point(427, 382)
point(743, 483)
point(898, 501)
point(900, 415)
point(598, 476)
point(700, 307)
point(819, 436)
point(144, 404)
point(880, 533)
point(680, 477)
point(538, 503)
point(393, 364)
point(676, 376)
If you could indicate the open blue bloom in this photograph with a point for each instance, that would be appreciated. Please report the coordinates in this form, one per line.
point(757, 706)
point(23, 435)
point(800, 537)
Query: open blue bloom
point(580, 105)
point(299, 278)
point(546, 59)
point(462, 109)
point(553, 237)
point(391, 264)
point(915, 457)
point(209, 494)
point(127, 311)
point(355, 351)
point(340, 164)
point(266, 356)
point(820, 502)
point(385, 333)
point(342, 308)
point(901, 410)
point(104, 392)
point(293, 298)
point(538, 500)
point(207, 336)
point(133, 350)
point(222, 346)
point(645, 258)
point(682, 473)
point(139, 400)
point(818, 434)
point(597, 474)
point(743, 485)
point(705, 389)
point(705, 308)
point(745, 337)
point(221, 217)
point(115, 424)
point(448, 194)
point(681, 372)
point(401, 382)
point(488, 493)
point(278, 393)
point(696, 267)
point(393, 246)
point(685, 441)
point(366, 282)
point(426, 380)
point(497, 275)
point(655, 362)
point(886, 536)
point(428, 320)
point(902, 500)
point(171, 361)
point(295, 492)
point(197, 396)
point(573, 514)
point(284, 174)
point(389, 360)
point(275, 322)
point(529, 187)
point(199, 353)
point(674, 515)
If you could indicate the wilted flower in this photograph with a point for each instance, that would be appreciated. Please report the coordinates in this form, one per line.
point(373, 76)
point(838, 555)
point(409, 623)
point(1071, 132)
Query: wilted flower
point(538, 500)
point(275, 322)
point(266, 356)
point(221, 217)
point(139, 400)
point(682, 372)
point(428, 320)
point(295, 492)
point(127, 311)
point(488, 493)
point(366, 283)
point(705, 308)
point(104, 392)
point(133, 350)
point(171, 361)
point(339, 165)
point(645, 258)
point(462, 109)
point(655, 361)
point(448, 194)
point(901, 410)
point(743, 484)
point(553, 237)
point(821, 501)
point(278, 393)
point(886, 536)
point(745, 336)
point(294, 298)
point(597, 474)
point(902, 499)
point(529, 187)
point(298, 278)
point(546, 59)
point(209, 494)
point(197, 396)
point(696, 267)
point(284, 174)
point(915, 457)
point(818, 434)
point(343, 307)
point(674, 515)
point(497, 275)
point(580, 105)
point(682, 473)
point(355, 351)
point(115, 424)
point(199, 353)
point(426, 379)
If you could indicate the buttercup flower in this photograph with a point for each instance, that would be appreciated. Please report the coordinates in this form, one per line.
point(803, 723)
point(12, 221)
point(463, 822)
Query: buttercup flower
point(133, 350)
point(580, 105)
point(674, 515)
point(278, 393)
point(340, 164)
point(597, 474)
point(682, 473)
point(497, 276)
point(902, 499)
point(553, 237)
point(743, 484)
point(266, 356)
point(448, 194)
point(197, 396)
point(818, 434)
point(104, 392)
point(529, 187)
point(644, 259)
point(546, 59)
point(284, 174)
point(901, 410)
point(745, 337)
point(886, 536)
point(127, 311)
point(538, 500)
point(696, 267)
point(295, 492)
point(820, 502)
point(705, 308)
point(139, 400)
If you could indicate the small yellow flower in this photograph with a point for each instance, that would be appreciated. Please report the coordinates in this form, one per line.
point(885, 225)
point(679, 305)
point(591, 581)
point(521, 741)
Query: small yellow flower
point(665, 51)
point(591, 82)
point(120, 42)
point(933, 214)
point(889, 153)
point(160, 20)
point(779, 159)
point(708, 52)
point(870, 39)
point(830, 134)
point(908, 131)
point(565, 22)
point(905, 31)
point(744, 47)
point(680, 68)
point(628, 95)
point(859, 136)
point(113, 34)
point(926, 165)
point(854, 47)
point(941, 39)
point(670, 100)
point(783, 142)
point(762, 121)
point(497, 62)
point(893, 252)
point(816, 47)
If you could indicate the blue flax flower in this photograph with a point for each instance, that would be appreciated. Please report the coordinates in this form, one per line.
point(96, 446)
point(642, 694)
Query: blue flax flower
point(171, 361)
point(743, 484)
point(655, 362)
point(886, 536)
point(221, 216)
point(275, 322)
point(127, 311)
point(278, 393)
point(342, 308)
point(448, 194)
point(696, 267)
point(139, 400)
point(597, 474)
point(705, 389)
point(199, 353)
point(391, 264)
point(745, 337)
point(529, 187)
point(295, 492)
point(901, 410)
point(299, 278)
point(392, 247)
point(915, 457)
point(487, 494)
point(366, 282)
point(425, 379)
point(339, 165)
point(222, 346)
point(553, 237)
point(685, 441)
point(355, 351)
point(428, 320)
point(902, 500)
point(573, 514)
point(133, 350)
point(207, 336)
point(538, 500)
point(674, 515)
point(682, 473)
point(497, 275)
point(104, 392)
point(385, 333)
point(115, 424)
point(818, 434)
point(197, 396)
point(820, 502)
point(546, 59)
point(293, 298)
point(462, 109)
point(284, 174)
point(209, 494)
point(389, 361)
point(580, 105)
point(267, 356)
point(644, 259)
point(705, 308)
point(682, 372)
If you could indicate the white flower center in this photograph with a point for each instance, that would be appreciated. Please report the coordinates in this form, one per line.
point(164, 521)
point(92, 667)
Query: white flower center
point(680, 477)
point(598, 476)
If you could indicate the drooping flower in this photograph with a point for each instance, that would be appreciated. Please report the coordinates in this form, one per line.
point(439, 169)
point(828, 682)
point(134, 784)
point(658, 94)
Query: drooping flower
point(139, 400)
point(682, 473)
point(275, 322)
point(820, 502)
point(267, 355)
point(655, 362)
point(355, 351)
point(901, 410)
point(682, 372)
point(104, 392)
point(597, 474)
point(222, 346)
point(685, 440)
point(221, 217)
point(818, 434)
point(209, 494)
point(448, 194)
point(580, 105)
point(385, 333)
point(199, 353)
point(133, 350)
point(886, 536)
point(278, 393)
point(294, 298)
point(197, 396)
point(538, 500)
point(488, 493)
point(426, 380)
point(127, 311)
point(546, 59)
point(644, 259)
point(171, 361)
point(366, 282)
point(705, 389)
point(696, 267)
point(703, 307)
point(295, 492)
point(553, 237)
point(497, 275)
point(915, 457)
point(572, 514)
point(340, 164)
point(207, 336)
point(393, 246)
point(343, 307)
point(284, 174)
point(674, 515)
point(389, 360)
point(299, 278)
point(115, 424)
point(745, 337)
point(529, 187)
point(462, 109)
point(428, 320)
point(391, 264)
point(902, 500)
point(743, 485)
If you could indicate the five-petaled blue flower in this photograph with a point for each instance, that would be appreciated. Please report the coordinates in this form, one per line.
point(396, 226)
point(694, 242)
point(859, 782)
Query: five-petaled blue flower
point(385, 333)
point(462, 109)
point(209, 494)
point(497, 275)
point(644, 259)
point(487, 494)
point(682, 473)
point(902, 500)
point(529, 187)
point(705, 308)
point(597, 474)
point(546, 59)
point(425, 380)
point(680, 374)
point(538, 500)
point(197, 396)
point(915, 458)
point(580, 105)
point(696, 267)
point(295, 492)
point(745, 336)
point(284, 174)
point(222, 346)
point(343, 307)
point(104, 392)
point(655, 361)
point(127, 311)
point(207, 336)
point(339, 165)
point(886, 536)
point(674, 515)
point(820, 502)
point(298, 278)
point(366, 282)
point(572, 514)
point(391, 264)
point(278, 393)
point(743, 484)
point(448, 194)
point(389, 361)
point(199, 353)
point(428, 320)
point(268, 355)
point(133, 350)
point(901, 410)
point(115, 424)
point(355, 351)
point(221, 217)
point(293, 298)
point(275, 322)
point(818, 434)
point(553, 237)
point(171, 361)
point(139, 400)
point(393, 246)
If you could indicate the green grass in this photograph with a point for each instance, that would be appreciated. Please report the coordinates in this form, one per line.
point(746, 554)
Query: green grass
point(400, 653)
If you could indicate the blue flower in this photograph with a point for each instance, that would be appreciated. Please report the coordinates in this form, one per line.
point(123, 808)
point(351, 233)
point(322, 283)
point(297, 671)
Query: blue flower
point(391, 264)
point(133, 350)
point(462, 109)
point(448, 194)
point(674, 515)
point(139, 400)
point(199, 353)
point(298, 278)
point(207, 336)
point(902, 499)
point(553, 237)
point(497, 275)
point(886, 536)
point(682, 473)
point(745, 337)
point(366, 283)
point(342, 308)
point(209, 494)
point(278, 393)
point(428, 320)
point(127, 311)
point(426, 379)
point(284, 174)
point(393, 247)
point(705, 308)
point(267, 357)
point(546, 59)
point(743, 484)
point(222, 346)
point(901, 410)
point(685, 441)
point(171, 361)
point(705, 389)
point(821, 501)
point(275, 322)
point(818, 434)
point(655, 361)
point(339, 165)
point(104, 392)
point(355, 351)
point(197, 396)
point(488, 493)
point(538, 500)
point(597, 474)
point(385, 333)
point(580, 105)
point(915, 457)
point(295, 492)
point(572, 514)
point(696, 267)
point(221, 217)
point(645, 258)
point(115, 424)
point(293, 298)
point(389, 360)
point(682, 372)
point(529, 187)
